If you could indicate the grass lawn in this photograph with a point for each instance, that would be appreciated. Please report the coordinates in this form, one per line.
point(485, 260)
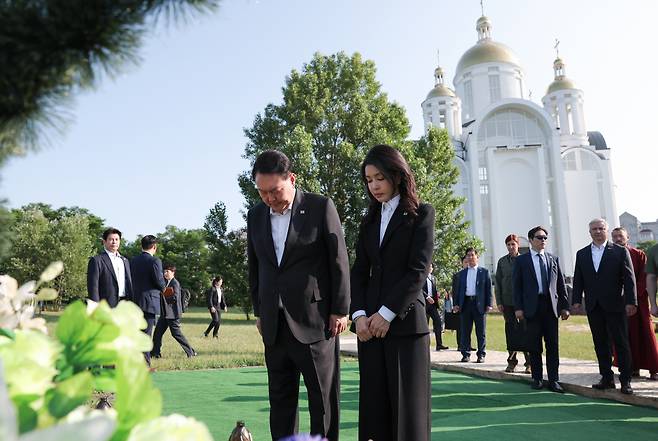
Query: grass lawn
point(463, 407)
point(239, 344)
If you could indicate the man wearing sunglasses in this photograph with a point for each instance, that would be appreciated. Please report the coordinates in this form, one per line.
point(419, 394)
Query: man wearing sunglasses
point(540, 297)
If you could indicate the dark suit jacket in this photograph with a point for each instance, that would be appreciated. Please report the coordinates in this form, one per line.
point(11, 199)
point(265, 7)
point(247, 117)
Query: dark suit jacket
point(102, 281)
point(148, 282)
point(526, 289)
point(394, 273)
point(482, 289)
point(313, 278)
point(612, 287)
point(212, 299)
point(434, 294)
point(172, 310)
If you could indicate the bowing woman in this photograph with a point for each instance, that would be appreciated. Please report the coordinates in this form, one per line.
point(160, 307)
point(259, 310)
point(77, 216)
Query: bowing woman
point(393, 255)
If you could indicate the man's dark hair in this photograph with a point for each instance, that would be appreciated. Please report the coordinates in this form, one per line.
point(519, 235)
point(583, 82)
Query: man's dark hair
point(468, 250)
point(271, 162)
point(109, 231)
point(149, 241)
point(170, 267)
point(216, 279)
point(533, 231)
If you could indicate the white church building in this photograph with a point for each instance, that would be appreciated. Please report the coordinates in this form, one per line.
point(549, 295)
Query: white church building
point(521, 164)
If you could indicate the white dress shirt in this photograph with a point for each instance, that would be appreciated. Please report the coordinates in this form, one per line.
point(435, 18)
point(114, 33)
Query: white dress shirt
point(535, 263)
point(119, 271)
point(429, 287)
point(597, 254)
point(471, 280)
point(280, 223)
point(388, 208)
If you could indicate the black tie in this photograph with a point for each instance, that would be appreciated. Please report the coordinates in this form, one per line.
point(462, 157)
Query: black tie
point(544, 274)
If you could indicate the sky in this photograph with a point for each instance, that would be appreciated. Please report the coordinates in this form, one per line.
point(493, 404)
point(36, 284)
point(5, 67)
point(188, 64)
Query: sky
point(162, 142)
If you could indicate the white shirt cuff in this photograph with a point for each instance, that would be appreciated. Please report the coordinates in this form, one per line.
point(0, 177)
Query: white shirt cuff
point(358, 313)
point(386, 313)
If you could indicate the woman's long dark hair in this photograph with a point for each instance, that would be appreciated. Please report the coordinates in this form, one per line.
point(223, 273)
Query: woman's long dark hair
point(390, 162)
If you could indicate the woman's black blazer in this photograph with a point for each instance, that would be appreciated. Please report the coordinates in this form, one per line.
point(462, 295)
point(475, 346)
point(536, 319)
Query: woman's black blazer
point(393, 274)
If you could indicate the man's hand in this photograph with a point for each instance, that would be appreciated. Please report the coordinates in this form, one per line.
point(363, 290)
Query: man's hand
point(488, 309)
point(430, 300)
point(212, 309)
point(225, 308)
point(564, 314)
point(362, 331)
point(576, 308)
point(519, 314)
point(378, 325)
point(456, 309)
point(631, 310)
point(260, 331)
point(337, 324)
point(501, 308)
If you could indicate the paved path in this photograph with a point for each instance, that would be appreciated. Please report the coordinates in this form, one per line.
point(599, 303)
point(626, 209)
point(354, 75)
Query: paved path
point(576, 376)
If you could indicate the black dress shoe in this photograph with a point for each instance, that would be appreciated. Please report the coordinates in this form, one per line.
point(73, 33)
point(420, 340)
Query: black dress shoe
point(441, 347)
point(554, 386)
point(466, 359)
point(193, 354)
point(626, 389)
point(480, 360)
point(603, 385)
point(537, 384)
point(156, 355)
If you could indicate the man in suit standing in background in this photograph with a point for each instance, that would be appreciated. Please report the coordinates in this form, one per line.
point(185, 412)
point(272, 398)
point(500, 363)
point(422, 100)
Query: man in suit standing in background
point(108, 273)
point(171, 311)
point(540, 296)
point(216, 304)
point(148, 283)
point(604, 272)
point(473, 302)
point(299, 283)
point(432, 308)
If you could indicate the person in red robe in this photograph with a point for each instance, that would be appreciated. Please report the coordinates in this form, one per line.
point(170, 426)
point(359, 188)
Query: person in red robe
point(641, 334)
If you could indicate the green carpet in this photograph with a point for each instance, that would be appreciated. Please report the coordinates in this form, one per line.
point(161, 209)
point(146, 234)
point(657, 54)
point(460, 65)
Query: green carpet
point(463, 407)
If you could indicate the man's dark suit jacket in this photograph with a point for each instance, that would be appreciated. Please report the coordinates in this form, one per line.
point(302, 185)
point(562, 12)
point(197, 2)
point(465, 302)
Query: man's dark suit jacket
point(148, 282)
point(102, 281)
point(212, 299)
point(526, 290)
point(313, 278)
point(172, 310)
point(612, 287)
point(433, 294)
point(482, 289)
point(393, 274)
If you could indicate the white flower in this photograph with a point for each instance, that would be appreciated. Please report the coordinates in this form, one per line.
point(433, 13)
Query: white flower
point(170, 428)
point(53, 270)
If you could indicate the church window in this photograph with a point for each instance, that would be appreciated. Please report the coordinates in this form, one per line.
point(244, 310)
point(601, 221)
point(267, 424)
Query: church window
point(570, 120)
point(442, 119)
point(494, 88)
point(556, 116)
point(484, 189)
point(482, 173)
point(570, 162)
point(468, 100)
point(511, 127)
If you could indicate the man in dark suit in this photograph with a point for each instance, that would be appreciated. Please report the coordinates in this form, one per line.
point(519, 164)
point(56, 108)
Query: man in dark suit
point(604, 272)
point(473, 302)
point(148, 283)
point(171, 311)
point(299, 283)
point(432, 308)
point(216, 304)
point(108, 273)
point(540, 297)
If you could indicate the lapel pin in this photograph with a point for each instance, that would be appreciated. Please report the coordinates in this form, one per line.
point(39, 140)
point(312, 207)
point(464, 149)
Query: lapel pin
point(404, 214)
point(302, 212)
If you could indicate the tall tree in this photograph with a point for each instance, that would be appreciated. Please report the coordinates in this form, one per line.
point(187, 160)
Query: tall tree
point(333, 111)
point(229, 257)
point(6, 234)
point(51, 49)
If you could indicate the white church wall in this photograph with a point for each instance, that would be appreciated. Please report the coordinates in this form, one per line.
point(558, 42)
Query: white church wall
point(583, 205)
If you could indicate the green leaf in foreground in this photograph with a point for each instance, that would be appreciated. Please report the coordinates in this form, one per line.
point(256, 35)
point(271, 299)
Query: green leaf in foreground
point(69, 394)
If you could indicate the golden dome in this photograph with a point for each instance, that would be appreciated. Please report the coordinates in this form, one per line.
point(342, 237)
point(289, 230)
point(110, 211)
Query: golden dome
point(440, 90)
point(487, 51)
point(560, 84)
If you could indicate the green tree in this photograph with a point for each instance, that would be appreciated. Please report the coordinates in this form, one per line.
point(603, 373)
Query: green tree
point(333, 111)
point(644, 246)
point(189, 252)
point(6, 234)
point(229, 257)
point(50, 50)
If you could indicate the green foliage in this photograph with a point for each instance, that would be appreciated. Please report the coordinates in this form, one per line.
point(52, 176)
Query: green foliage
point(431, 159)
point(644, 246)
point(50, 50)
point(229, 257)
point(333, 111)
point(42, 235)
point(6, 234)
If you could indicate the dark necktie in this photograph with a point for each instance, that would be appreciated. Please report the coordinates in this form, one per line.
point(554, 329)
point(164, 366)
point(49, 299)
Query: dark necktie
point(544, 274)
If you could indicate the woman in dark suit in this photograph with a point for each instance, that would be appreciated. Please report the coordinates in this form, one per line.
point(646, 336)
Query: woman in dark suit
point(216, 304)
point(393, 255)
